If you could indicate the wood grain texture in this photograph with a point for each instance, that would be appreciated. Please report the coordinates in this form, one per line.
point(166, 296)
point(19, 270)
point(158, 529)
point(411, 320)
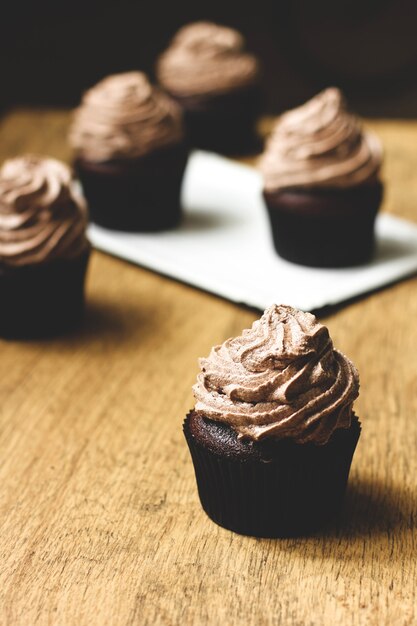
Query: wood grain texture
point(99, 516)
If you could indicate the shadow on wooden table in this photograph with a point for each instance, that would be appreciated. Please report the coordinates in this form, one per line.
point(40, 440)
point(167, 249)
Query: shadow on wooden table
point(372, 507)
point(121, 321)
point(111, 323)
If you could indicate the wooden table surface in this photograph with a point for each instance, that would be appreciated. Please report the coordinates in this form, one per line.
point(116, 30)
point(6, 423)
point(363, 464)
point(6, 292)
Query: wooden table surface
point(99, 516)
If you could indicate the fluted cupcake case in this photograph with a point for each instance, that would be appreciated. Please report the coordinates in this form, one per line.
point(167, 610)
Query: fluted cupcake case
point(325, 227)
point(272, 489)
point(140, 195)
point(223, 123)
point(42, 300)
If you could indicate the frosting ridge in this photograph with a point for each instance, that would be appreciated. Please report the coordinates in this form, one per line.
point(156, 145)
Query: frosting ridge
point(124, 116)
point(281, 378)
point(43, 215)
point(320, 144)
point(206, 58)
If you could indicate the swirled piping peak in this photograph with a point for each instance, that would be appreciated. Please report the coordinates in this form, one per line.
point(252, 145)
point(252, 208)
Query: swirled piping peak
point(205, 58)
point(124, 117)
point(43, 215)
point(320, 144)
point(282, 378)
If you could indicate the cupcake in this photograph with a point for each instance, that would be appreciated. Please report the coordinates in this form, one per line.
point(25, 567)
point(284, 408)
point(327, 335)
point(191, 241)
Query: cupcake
point(43, 248)
point(321, 184)
point(130, 154)
point(207, 70)
point(273, 432)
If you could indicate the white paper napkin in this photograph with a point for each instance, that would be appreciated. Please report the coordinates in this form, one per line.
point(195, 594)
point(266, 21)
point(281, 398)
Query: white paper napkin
point(225, 246)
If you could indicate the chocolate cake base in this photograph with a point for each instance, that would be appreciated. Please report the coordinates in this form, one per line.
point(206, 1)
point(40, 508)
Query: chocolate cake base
point(141, 195)
point(42, 300)
point(325, 227)
point(223, 123)
point(275, 488)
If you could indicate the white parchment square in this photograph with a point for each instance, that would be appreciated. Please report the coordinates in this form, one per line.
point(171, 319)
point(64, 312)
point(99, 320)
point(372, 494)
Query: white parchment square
point(224, 245)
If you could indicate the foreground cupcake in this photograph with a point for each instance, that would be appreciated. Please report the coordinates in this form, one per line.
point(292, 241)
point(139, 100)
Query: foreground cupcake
point(128, 138)
point(273, 431)
point(321, 184)
point(207, 70)
point(43, 248)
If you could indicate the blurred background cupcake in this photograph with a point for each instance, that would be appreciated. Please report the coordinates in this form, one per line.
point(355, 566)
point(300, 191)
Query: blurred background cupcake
point(44, 251)
point(321, 184)
point(130, 153)
point(207, 70)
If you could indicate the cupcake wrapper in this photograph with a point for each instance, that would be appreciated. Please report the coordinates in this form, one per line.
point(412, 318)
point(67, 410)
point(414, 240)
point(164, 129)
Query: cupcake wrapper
point(223, 123)
point(292, 495)
point(325, 228)
point(42, 300)
point(140, 196)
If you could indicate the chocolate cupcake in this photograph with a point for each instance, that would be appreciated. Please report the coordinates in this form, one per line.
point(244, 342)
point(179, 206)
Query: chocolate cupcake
point(131, 154)
point(43, 248)
point(321, 184)
point(207, 70)
point(273, 432)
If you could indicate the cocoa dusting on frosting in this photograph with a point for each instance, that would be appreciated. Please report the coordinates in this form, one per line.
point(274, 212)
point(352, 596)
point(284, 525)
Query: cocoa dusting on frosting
point(320, 144)
point(43, 215)
point(124, 117)
point(282, 378)
point(205, 58)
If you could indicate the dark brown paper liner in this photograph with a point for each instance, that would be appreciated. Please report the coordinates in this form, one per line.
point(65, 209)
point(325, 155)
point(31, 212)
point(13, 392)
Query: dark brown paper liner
point(223, 123)
point(42, 300)
point(142, 195)
point(295, 492)
point(325, 228)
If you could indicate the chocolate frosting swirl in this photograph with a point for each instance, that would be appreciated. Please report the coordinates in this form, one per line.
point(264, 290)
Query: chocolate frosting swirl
point(124, 117)
point(43, 215)
point(320, 144)
point(204, 59)
point(281, 378)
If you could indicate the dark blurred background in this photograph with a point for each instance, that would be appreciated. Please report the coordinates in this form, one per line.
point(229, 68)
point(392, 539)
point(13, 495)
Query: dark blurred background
point(51, 50)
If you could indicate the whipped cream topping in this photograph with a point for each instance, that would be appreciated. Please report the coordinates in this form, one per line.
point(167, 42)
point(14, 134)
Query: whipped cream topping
point(320, 144)
point(282, 378)
point(124, 117)
point(204, 59)
point(43, 215)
